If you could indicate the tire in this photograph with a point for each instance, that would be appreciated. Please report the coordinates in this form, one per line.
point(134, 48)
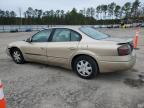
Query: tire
point(17, 56)
point(85, 67)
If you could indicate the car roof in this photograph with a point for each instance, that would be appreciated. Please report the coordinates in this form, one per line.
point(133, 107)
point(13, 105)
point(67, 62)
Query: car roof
point(67, 27)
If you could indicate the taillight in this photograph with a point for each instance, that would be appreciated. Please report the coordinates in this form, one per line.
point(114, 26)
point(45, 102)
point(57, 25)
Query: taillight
point(132, 46)
point(124, 50)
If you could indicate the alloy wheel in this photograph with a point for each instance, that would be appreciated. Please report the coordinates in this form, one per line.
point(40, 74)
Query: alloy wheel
point(17, 56)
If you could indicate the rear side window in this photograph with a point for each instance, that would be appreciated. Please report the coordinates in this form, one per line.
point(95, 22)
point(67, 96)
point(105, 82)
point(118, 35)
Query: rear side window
point(75, 36)
point(61, 35)
point(65, 35)
point(42, 36)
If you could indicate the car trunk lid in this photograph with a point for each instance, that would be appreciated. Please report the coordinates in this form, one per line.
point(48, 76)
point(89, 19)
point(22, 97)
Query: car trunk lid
point(122, 41)
point(119, 40)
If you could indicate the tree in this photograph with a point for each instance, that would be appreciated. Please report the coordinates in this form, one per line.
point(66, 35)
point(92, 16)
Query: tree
point(30, 12)
point(52, 13)
point(2, 13)
point(40, 13)
point(127, 9)
point(37, 13)
point(98, 11)
point(62, 13)
point(111, 8)
point(12, 14)
point(88, 12)
point(57, 13)
point(92, 12)
point(135, 7)
point(142, 9)
point(81, 12)
point(117, 11)
point(104, 10)
point(7, 13)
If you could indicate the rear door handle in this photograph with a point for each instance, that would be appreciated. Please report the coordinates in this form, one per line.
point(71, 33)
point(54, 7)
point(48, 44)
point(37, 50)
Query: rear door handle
point(72, 48)
point(42, 48)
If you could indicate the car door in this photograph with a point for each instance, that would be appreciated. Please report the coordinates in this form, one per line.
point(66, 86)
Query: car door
point(36, 49)
point(63, 44)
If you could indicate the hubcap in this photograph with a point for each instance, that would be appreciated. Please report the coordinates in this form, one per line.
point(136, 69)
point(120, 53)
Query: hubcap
point(84, 68)
point(16, 56)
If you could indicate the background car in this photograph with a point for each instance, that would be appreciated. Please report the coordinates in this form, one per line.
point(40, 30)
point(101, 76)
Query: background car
point(82, 49)
point(28, 30)
point(13, 30)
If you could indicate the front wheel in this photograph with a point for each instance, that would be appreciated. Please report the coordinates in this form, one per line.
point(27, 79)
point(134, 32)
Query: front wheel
point(86, 67)
point(17, 56)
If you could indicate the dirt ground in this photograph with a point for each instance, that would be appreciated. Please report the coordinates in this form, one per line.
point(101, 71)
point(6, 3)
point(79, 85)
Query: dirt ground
point(34, 85)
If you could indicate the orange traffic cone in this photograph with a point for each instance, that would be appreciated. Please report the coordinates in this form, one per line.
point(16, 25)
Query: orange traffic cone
point(2, 99)
point(136, 40)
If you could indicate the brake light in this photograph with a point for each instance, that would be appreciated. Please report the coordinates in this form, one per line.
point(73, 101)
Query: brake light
point(124, 50)
point(132, 46)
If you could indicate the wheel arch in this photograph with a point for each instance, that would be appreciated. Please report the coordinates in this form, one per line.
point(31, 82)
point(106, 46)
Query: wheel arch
point(94, 57)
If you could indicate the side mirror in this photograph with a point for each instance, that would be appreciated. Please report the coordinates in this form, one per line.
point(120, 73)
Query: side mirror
point(29, 40)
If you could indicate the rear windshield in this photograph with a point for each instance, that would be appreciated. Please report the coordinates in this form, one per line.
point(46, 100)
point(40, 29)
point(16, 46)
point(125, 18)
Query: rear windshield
point(93, 33)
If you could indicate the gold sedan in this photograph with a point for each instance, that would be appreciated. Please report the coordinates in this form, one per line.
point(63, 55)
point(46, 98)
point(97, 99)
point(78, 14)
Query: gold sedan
point(82, 49)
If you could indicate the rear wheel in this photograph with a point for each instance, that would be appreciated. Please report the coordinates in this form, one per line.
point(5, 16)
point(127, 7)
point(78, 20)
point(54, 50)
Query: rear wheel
point(17, 56)
point(85, 67)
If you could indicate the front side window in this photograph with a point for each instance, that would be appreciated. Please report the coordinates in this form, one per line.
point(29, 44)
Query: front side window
point(91, 32)
point(61, 35)
point(42, 36)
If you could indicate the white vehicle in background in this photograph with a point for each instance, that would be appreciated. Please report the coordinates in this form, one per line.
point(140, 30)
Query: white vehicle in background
point(142, 25)
point(136, 24)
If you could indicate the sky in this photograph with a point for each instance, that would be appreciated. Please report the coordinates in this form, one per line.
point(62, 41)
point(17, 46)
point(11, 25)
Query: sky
point(55, 4)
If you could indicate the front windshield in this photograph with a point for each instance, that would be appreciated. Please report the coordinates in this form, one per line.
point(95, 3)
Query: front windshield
point(93, 33)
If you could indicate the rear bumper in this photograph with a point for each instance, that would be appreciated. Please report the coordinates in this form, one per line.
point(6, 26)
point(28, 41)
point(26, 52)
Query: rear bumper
point(113, 66)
